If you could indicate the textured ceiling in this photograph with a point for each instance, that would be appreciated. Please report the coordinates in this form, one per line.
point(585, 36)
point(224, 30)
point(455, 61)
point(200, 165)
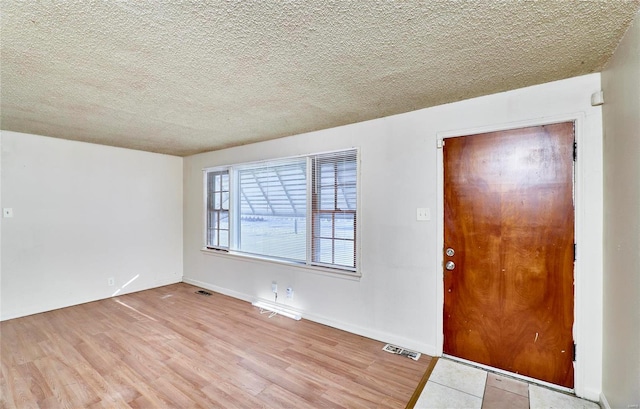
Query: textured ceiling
point(182, 77)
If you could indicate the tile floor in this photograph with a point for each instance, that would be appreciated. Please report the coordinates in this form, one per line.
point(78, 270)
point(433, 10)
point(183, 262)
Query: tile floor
point(458, 386)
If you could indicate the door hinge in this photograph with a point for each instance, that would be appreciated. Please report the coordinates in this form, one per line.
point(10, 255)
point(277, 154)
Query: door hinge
point(575, 347)
point(575, 251)
point(575, 151)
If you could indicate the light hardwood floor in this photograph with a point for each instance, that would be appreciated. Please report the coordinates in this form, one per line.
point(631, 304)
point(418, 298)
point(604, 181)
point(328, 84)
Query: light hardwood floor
point(171, 348)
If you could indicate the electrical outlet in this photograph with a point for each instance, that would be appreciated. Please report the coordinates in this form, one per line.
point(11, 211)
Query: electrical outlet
point(274, 287)
point(111, 281)
point(289, 292)
point(423, 214)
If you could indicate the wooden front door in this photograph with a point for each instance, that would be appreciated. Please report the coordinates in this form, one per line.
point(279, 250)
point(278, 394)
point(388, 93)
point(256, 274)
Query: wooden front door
point(509, 219)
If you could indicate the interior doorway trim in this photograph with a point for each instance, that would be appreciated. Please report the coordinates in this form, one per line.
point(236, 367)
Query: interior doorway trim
point(579, 330)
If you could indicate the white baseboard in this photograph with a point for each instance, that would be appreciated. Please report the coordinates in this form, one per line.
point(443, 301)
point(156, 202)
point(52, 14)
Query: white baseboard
point(354, 329)
point(225, 291)
point(155, 284)
point(604, 403)
point(590, 394)
point(37, 309)
point(373, 334)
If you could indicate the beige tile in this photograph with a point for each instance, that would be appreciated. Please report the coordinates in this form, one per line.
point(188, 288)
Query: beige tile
point(543, 398)
point(496, 398)
point(436, 396)
point(459, 376)
point(508, 384)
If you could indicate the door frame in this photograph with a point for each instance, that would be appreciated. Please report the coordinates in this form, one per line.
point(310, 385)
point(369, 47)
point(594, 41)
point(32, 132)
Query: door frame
point(579, 330)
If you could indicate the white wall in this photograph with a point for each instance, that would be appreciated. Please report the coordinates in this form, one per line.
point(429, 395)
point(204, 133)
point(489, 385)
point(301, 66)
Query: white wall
point(396, 299)
point(621, 116)
point(84, 213)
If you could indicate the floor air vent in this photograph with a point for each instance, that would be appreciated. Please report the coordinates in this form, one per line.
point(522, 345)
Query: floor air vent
point(402, 351)
point(203, 292)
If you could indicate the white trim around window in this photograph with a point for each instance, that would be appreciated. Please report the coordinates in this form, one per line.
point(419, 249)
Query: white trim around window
point(302, 211)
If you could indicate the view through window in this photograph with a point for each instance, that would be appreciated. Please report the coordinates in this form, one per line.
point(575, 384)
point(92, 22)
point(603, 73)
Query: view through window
point(301, 210)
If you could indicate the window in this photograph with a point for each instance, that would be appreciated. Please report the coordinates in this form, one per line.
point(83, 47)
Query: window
point(218, 209)
point(273, 209)
point(300, 210)
point(334, 209)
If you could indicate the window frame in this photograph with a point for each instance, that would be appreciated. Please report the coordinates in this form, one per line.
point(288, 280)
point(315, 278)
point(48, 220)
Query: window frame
point(234, 217)
point(273, 164)
point(316, 194)
point(218, 211)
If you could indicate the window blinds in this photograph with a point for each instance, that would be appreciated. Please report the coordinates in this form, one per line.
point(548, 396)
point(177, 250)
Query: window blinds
point(218, 209)
point(334, 209)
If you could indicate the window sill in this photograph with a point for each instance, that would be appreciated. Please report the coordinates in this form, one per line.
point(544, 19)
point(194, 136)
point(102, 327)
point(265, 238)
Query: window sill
point(325, 271)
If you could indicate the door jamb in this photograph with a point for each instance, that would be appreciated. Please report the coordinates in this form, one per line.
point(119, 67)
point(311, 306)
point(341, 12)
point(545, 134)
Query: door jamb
point(578, 322)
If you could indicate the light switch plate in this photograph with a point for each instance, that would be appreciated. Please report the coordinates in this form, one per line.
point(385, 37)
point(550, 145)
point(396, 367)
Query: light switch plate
point(7, 212)
point(423, 214)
